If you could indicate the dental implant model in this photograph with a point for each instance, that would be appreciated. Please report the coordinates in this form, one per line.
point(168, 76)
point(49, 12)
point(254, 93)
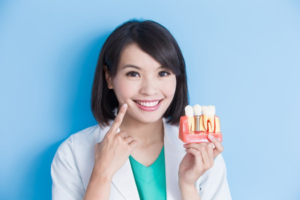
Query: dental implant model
point(195, 129)
point(197, 111)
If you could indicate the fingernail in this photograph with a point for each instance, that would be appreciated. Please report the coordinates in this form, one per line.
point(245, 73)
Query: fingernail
point(211, 137)
point(125, 105)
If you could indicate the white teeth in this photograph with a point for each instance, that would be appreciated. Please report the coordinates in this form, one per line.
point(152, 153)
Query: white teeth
point(148, 104)
point(197, 109)
point(189, 111)
point(208, 110)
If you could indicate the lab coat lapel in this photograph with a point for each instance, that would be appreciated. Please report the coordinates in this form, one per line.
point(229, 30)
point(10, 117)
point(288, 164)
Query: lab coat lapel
point(124, 181)
point(174, 153)
point(173, 157)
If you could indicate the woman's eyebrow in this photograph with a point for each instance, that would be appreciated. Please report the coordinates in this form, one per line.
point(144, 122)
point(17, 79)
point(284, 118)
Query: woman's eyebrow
point(133, 66)
point(136, 67)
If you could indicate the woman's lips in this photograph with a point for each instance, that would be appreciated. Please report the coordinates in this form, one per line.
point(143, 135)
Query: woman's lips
point(147, 108)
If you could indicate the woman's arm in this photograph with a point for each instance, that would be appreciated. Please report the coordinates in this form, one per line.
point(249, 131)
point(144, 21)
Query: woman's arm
point(198, 161)
point(189, 192)
point(99, 187)
point(110, 155)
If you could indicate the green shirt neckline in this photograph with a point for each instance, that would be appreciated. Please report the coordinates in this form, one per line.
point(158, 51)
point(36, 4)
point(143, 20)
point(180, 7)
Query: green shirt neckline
point(148, 174)
point(150, 181)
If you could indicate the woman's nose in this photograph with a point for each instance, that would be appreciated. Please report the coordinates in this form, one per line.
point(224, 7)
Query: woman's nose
point(149, 87)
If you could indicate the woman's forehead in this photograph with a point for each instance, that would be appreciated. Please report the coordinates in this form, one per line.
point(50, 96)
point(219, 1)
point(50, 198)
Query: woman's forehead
point(134, 56)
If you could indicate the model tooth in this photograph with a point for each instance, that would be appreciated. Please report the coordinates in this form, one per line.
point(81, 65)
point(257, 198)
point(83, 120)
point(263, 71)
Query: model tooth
point(209, 123)
point(197, 109)
point(189, 111)
point(217, 124)
point(212, 109)
point(209, 118)
point(208, 110)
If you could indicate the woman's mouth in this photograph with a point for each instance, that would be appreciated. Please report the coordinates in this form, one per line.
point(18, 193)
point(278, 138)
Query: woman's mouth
point(148, 105)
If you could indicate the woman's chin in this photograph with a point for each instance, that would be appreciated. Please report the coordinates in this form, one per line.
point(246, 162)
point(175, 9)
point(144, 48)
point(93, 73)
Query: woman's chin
point(147, 118)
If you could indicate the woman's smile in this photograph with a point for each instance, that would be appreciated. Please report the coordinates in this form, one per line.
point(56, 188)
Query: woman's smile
point(148, 105)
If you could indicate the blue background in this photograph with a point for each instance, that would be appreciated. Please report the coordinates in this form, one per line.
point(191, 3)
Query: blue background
point(242, 56)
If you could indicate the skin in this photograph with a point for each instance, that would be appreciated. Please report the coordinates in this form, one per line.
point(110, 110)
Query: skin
point(141, 132)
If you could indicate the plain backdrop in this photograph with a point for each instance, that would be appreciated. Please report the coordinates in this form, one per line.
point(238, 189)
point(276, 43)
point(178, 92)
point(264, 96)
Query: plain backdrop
point(241, 56)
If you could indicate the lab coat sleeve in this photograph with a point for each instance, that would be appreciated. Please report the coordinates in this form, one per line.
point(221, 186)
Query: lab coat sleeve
point(66, 180)
point(214, 185)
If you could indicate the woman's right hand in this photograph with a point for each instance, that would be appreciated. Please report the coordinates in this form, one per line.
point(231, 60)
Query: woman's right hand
point(115, 148)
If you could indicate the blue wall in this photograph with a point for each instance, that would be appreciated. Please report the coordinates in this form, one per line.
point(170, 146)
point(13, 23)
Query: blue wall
point(241, 56)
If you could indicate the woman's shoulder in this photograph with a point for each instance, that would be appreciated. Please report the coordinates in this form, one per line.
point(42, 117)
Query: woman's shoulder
point(81, 142)
point(86, 136)
point(73, 161)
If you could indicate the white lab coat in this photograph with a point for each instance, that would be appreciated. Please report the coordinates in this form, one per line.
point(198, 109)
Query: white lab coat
point(74, 160)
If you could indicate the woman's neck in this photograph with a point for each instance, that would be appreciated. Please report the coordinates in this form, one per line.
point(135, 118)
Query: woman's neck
point(145, 133)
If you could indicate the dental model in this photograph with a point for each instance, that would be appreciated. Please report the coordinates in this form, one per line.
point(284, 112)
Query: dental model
point(189, 113)
point(197, 110)
point(211, 123)
point(196, 128)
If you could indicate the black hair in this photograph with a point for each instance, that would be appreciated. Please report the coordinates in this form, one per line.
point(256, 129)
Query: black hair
point(155, 40)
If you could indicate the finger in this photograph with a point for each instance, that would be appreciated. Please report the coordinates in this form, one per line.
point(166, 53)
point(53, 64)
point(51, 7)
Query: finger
point(195, 145)
point(210, 151)
point(133, 144)
point(218, 146)
point(196, 153)
point(118, 120)
point(205, 158)
point(122, 134)
point(128, 139)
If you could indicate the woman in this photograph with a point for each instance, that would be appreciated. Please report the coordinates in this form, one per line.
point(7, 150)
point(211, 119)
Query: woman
point(138, 96)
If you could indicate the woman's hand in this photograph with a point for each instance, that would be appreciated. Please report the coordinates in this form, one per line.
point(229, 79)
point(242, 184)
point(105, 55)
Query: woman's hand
point(199, 158)
point(114, 150)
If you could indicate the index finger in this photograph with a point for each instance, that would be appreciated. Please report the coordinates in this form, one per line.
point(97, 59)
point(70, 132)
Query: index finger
point(119, 118)
point(218, 146)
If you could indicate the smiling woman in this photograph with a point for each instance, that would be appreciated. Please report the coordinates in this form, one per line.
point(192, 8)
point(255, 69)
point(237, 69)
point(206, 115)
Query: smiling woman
point(149, 88)
point(138, 96)
point(133, 46)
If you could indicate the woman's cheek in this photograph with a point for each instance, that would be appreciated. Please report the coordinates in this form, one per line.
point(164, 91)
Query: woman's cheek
point(169, 87)
point(124, 91)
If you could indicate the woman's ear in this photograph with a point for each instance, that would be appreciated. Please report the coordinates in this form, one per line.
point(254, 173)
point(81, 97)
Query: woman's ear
point(108, 78)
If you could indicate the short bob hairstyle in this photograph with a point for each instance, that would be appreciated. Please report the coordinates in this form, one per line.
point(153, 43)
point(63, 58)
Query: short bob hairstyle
point(155, 40)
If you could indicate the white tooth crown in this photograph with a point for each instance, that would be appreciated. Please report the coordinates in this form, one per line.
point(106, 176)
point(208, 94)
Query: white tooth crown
point(197, 109)
point(189, 111)
point(209, 110)
point(148, 104)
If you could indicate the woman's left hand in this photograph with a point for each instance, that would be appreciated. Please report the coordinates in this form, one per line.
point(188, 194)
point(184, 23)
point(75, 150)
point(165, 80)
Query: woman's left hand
point(199, 158)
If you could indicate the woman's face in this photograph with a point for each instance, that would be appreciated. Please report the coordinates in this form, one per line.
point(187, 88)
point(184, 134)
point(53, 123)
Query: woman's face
point(143, 84)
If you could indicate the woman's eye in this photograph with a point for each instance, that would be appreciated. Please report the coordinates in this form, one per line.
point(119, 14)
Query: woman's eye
point(132, 74)
point(164, 73)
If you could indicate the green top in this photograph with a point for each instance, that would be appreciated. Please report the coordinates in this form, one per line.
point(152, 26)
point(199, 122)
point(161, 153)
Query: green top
point(150, 181)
